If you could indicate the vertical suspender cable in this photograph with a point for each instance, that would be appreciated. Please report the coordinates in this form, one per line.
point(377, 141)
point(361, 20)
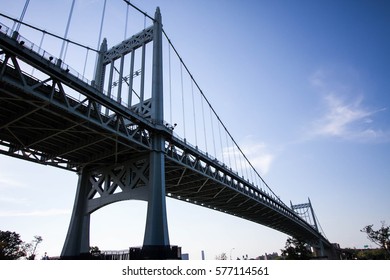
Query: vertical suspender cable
point(246, 170)
point(110, 83)
point(85, 66)
point(204, 124)
point(66, 50)
point(127, 19)
point(228, 149)
point(170, 85)
point(131, 77)
point(220, 140)
point(40, 46)
point(67, 29)
point(142, 86)
point(234, 153)
point(193, 110)
point(85, 62)
point(182, 99)
point(212, 131)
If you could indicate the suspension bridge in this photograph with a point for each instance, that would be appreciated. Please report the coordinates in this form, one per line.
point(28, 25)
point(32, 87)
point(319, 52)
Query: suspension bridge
point(112, 131)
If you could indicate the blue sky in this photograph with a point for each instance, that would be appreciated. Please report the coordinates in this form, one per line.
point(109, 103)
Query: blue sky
point(302, 86)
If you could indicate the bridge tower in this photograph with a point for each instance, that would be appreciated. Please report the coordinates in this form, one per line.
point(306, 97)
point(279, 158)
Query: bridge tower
point(306, 211)
point(142, 177)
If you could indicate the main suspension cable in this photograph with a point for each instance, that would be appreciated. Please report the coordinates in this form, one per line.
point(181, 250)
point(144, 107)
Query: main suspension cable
point(138, 9)
point(67, 30)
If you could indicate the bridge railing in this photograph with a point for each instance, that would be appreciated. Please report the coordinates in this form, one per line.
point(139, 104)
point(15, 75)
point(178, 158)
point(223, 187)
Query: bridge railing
point(115, 255)
point(222, 167)
point(49, 57)
point(9, 32)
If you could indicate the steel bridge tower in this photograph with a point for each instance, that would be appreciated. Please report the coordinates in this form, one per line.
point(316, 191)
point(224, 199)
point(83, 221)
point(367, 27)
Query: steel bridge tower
point(306, 212)
point(140, 178)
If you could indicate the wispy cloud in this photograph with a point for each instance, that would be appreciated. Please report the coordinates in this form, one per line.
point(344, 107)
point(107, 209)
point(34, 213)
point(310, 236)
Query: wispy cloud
point(257, 152)
point(35, 213)
point(259, 155)
point(345, 115)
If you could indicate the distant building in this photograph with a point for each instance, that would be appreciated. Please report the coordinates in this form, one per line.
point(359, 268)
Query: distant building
point(273, 256)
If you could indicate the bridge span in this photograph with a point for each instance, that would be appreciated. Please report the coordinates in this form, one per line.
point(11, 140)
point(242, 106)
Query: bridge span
point(117, 150)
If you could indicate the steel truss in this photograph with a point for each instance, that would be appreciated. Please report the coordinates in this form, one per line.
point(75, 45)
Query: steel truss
point(125, 181)
point(195, 178)
point(27, 97)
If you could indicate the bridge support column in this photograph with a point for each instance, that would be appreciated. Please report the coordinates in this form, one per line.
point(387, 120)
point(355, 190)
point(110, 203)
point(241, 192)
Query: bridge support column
point(156, 240)
point(318, 249)
point(77, 239)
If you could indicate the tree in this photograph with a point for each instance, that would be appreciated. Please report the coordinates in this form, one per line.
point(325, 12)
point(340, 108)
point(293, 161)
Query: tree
point(11, 246)
point(296, 249)
point(222, 256)
point(380, 237)
point(32, 247)
point(94, 251)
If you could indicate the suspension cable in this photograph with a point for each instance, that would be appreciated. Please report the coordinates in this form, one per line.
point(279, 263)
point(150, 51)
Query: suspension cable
point(22, 15)
point(67, 28)
point(138, 9)
point(101, 24)
point(49, 33)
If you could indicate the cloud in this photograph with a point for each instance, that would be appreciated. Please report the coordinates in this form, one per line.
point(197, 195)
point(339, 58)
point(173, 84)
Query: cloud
point(259, 156)
point(35, 213)
point(345, 115)
point(257, 152)
point(346, 119)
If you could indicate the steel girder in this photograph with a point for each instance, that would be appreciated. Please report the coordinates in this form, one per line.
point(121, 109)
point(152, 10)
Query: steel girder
point(129, 45)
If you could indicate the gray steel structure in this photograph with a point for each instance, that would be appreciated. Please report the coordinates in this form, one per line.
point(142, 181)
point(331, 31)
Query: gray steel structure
point(120, 152)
